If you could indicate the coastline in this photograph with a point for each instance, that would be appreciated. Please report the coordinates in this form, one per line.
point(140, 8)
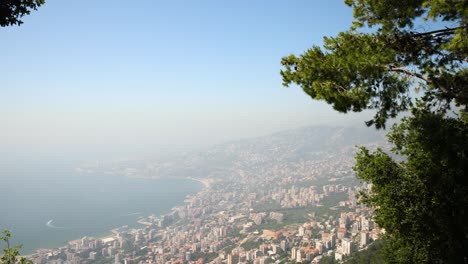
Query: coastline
point(205, 181)
point(109, 235)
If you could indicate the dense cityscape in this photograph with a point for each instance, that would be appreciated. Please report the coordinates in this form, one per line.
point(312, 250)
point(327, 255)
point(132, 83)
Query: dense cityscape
point(265, 208)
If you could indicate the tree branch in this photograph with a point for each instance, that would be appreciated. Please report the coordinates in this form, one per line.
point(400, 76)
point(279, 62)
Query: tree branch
point(420, 76)
point(446, 31)
point(411, 73)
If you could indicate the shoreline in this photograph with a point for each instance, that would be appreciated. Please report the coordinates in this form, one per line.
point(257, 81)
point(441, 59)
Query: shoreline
point(205, 181)
point(109, 235)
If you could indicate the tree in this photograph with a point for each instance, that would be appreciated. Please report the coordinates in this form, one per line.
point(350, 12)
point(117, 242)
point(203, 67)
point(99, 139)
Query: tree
point(422, 201)
point(357, 71)
point(10, 254)
point(11, 11)
point(328, 260)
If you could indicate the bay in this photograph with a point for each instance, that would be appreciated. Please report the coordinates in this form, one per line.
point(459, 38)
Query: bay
point(46, 204)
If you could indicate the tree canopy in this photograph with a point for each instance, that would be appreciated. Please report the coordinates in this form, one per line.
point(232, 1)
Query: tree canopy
point(404, 56)
point(422, 201)
point(356, 71)
point(11, 11)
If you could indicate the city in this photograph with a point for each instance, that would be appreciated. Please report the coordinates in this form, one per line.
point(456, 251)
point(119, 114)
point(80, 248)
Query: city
point(261, 209)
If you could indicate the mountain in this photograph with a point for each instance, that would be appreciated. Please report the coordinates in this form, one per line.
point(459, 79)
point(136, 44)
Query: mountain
point(291, 147)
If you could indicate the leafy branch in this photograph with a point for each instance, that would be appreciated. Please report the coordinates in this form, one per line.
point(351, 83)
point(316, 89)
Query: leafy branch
point(11, 255)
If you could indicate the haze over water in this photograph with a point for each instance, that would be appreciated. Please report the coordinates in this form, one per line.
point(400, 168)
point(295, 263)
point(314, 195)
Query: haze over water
point(48, 203)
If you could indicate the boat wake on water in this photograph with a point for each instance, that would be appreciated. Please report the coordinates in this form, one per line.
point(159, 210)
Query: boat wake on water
point(131, 214)
point(49, 224)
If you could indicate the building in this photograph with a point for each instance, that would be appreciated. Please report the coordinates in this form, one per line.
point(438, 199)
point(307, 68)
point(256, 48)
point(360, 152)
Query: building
point(92, 255)
point(346, 245)
point(293, 253)
point(117, 259)
point(364, 238)
point(341, 232)
point(298, 256)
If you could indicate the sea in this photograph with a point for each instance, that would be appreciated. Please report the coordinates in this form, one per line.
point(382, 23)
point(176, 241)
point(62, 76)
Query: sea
point(46, 203)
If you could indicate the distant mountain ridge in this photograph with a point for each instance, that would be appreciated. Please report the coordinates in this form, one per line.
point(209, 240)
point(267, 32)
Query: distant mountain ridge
point(300, 143)
point(255, 154)
point(314, 138)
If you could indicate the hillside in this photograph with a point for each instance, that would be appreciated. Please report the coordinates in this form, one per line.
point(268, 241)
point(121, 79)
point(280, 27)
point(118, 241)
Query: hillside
point(293, 150)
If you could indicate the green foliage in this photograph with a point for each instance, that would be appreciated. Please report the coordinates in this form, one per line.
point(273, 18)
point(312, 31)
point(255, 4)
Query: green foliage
point(350, 74)
point(207, 257)
point(373, 254)
point(11, 11)
point(328, 260)
point(267, 206)
point(251, 244)
point(422, 201)
point(394, 14)
point(356, 71)
point(11, 254)
point(333, 199)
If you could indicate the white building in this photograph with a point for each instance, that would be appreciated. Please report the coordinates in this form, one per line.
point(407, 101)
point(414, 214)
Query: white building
point(346, 245)
point(364, 238)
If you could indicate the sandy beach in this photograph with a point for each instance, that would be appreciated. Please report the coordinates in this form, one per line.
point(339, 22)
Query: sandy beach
point(205, 181)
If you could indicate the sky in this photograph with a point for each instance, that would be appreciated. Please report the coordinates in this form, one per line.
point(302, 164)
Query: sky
point(118, 78)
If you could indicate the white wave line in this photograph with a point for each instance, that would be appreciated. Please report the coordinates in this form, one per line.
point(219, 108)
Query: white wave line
point(137, 213)
point(49, 224)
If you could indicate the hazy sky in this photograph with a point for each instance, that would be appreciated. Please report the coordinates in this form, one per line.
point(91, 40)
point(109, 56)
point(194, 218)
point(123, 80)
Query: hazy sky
point(128, 77)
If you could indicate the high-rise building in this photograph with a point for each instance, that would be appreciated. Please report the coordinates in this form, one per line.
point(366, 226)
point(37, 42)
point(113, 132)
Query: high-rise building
point(301, 231)
point(342, 222)
point(346, 245)
point(298, 256)
point(92, 255)
point(364, 238)
point(341, 232)
point(263, 248)
point(262, 260)
point(110, 251)
point(275, 248)
point(248, 256)
point(283, 245)
point(325, 237)
point(151, 234)
point(117, 259)
point(84, 242)
point(364, 223)
point(293, 253)
point(319, 246)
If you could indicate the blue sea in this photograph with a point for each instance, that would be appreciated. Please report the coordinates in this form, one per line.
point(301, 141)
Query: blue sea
point(47, 203)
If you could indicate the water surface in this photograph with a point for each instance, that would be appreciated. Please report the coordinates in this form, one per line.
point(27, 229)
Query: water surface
point(46, 204)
